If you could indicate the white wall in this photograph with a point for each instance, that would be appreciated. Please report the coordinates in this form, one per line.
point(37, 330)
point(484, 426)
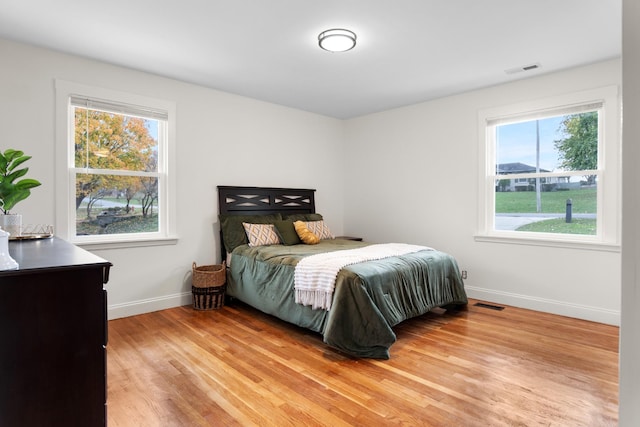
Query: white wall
point(630, 328)
point(412, 177)
point(396, 165)
point(222, 139)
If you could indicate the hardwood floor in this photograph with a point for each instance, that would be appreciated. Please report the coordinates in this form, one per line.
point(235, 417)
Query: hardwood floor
point(478, 367)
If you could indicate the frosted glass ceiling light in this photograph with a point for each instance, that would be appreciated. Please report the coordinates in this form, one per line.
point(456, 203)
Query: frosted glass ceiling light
point(337, 40)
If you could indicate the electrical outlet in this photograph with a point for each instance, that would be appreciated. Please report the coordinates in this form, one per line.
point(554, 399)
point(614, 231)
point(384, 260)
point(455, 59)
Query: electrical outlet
point(463, 273)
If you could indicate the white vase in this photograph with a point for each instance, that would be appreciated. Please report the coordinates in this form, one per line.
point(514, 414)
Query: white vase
point(12, 224)
point(6, 262)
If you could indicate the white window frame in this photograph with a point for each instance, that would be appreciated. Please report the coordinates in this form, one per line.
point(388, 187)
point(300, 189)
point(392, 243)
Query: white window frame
point(66, 170)
point(609, 170)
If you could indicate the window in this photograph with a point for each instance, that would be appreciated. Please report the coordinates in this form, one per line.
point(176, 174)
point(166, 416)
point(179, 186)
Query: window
point(550, 170)
point(114, 175)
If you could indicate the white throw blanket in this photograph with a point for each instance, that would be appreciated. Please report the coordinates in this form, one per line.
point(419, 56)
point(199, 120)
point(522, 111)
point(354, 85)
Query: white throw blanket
point(315, 275)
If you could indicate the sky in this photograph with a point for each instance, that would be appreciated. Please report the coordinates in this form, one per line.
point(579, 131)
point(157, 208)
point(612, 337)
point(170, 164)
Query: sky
point(152, 125)
point(516, 142)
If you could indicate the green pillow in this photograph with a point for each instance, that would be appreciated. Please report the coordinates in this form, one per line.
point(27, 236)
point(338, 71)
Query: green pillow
point(233, 233)
point(303, 217)
point(286, 232)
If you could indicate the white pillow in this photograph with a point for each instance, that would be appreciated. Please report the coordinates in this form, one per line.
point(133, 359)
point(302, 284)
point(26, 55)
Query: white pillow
point(261, 234)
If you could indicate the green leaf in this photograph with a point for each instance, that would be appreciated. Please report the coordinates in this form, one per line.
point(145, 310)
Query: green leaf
point(13, 191)
point(15, 197)
point(17, 162)
point(11, 154)
point(3, 164)
point(16, 174)
point(27, 183)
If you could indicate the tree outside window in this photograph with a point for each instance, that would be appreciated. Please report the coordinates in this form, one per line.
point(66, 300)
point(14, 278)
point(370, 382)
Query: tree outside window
point(116, 171)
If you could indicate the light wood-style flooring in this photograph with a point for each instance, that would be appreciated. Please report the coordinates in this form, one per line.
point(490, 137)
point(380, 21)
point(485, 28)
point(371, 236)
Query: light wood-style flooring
point(478, 367)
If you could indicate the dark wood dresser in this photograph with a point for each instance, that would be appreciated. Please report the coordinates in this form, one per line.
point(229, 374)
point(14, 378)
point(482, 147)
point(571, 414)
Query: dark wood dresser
point(53, 336)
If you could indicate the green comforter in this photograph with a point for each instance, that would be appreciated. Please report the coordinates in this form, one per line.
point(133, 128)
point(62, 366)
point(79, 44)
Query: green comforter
point(368, 300)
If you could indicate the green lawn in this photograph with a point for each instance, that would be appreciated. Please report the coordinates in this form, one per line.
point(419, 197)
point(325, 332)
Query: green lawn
point(583, 201)
point(558, 225)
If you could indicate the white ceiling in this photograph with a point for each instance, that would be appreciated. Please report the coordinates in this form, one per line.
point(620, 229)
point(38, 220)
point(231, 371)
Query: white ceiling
point(408, 51)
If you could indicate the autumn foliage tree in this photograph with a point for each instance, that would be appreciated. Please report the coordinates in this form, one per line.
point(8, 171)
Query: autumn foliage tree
point(149, 188)
point(579, 148)
point(108, 146)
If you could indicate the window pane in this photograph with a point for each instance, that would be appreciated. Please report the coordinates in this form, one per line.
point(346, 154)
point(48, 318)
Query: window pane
point(517, 210)
point(115, 141)
point(553, 144)
point(550, 204)
point(112, 204)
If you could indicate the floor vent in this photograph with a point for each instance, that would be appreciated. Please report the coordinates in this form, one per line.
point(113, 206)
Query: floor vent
point(489, 306)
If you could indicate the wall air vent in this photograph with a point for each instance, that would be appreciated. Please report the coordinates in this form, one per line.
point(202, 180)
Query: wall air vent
point(523, 68)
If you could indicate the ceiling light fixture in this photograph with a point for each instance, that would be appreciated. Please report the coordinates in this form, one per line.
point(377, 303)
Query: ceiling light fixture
point(337, 40)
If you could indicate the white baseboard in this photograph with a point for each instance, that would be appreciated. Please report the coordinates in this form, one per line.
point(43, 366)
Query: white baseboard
point(115, 311)
point(594, 314)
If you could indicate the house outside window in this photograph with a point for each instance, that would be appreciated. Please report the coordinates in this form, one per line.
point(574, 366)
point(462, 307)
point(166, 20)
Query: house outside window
point(550, 170)
point(114, 167)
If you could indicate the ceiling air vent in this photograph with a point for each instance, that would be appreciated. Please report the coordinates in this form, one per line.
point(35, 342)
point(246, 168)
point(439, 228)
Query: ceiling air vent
point(523, 68)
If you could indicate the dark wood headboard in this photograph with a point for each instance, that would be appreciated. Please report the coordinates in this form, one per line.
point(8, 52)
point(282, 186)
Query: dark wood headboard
point(265, 200)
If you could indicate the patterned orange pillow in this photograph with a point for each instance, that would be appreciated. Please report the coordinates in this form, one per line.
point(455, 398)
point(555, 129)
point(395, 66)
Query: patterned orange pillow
point(320, 229)
point(305, 235)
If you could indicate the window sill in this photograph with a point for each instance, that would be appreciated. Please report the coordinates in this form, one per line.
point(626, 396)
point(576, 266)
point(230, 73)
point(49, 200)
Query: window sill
point(123, 244)
point(553, 243)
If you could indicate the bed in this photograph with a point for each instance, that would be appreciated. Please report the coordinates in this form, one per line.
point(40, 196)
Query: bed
point(368, 299)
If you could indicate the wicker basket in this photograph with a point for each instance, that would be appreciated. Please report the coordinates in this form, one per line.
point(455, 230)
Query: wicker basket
point(209, 285)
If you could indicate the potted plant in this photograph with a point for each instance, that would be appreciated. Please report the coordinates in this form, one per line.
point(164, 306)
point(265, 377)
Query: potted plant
point(13, 189)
